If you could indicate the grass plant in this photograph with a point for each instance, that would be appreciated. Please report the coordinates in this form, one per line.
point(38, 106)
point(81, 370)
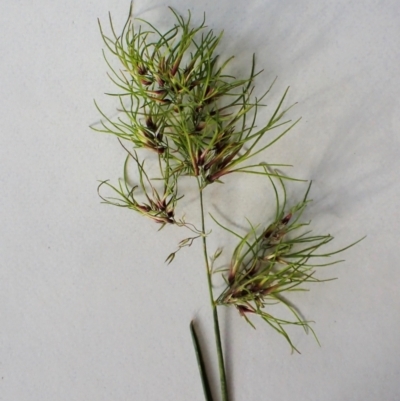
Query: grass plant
point(177, 100)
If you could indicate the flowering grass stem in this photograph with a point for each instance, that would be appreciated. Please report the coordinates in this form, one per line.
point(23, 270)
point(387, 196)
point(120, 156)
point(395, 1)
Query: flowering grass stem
point(177, 102)
point(217, 332)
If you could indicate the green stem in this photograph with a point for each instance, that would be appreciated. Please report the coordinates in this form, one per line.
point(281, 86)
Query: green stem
point(217, 334)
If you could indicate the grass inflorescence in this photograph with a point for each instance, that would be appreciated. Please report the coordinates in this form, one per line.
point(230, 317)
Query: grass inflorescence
point(177, 100)
point(179, 107)
point(272, 261)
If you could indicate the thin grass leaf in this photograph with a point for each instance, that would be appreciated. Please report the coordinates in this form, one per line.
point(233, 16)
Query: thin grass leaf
point(201, 364)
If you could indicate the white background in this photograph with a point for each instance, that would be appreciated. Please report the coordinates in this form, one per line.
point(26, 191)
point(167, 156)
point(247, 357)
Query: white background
point(88, 310)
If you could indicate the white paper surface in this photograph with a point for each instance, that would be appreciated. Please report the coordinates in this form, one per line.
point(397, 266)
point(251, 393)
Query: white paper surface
point(88, 310)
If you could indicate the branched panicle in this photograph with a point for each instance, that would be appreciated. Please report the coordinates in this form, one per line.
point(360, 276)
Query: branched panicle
point(177, 100)
point(276, 260)
point(178, 103)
